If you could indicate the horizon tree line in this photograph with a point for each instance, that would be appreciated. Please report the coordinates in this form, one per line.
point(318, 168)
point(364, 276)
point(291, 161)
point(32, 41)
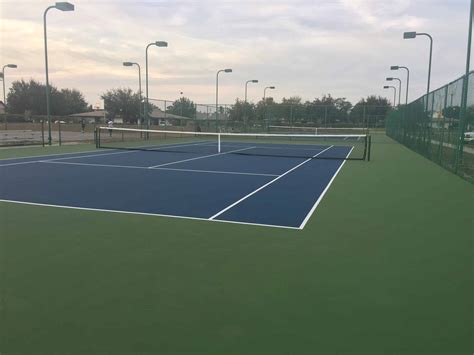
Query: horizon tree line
point(29, 97)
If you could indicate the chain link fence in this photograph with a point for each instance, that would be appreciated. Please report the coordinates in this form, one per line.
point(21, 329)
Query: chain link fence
point(18, 130)
point(262, 117)
point(171, 115)
point(440, 126)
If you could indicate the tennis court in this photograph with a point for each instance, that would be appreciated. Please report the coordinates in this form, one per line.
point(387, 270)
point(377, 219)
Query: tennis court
point(270, 180)
point(368, 267)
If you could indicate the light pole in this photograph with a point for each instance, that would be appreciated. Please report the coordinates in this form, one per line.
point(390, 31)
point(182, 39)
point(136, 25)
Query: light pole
point(3, 78)
point(129, 64)
point(265, 93)
point(411, 35)
point(399, 87)
point(246, 83)
point(217, 94)
point(396, 67)
point(158, 44)
point(394, 93)
point(62, 6)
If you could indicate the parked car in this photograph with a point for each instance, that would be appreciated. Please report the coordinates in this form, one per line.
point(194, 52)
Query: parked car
point(468, 137)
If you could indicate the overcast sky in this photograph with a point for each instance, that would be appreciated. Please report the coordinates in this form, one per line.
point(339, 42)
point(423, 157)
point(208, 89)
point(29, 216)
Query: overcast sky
point(305, 48)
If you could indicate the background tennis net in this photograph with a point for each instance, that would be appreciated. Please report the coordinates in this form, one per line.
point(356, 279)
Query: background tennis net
point(349, 146)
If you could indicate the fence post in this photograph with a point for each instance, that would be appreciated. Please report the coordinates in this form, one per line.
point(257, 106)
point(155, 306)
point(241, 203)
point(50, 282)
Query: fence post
point(441, 144)
point(364, 118)
point(291, 115)
point(463, 116)
point(42, 132)
point(326, 116)
point(430, 126)
point(59, 131)
point(165, 113)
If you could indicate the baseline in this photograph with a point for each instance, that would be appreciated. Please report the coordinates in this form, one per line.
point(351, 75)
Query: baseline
point(144, 214)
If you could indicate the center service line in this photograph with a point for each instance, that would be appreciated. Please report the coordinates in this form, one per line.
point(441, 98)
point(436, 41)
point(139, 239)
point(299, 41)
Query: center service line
point(202, 157)
point(267, 184)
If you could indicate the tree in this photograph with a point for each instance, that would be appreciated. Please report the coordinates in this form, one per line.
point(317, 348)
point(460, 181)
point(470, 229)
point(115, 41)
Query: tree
point(369, 111)
point(183, 107)
point(30, 96)
point(289, 110)
point(242, 111)
point(452, 112)
point(293, 100)
point(328, 110)
point(123, 103)
point(71, 101)
point(27, 96)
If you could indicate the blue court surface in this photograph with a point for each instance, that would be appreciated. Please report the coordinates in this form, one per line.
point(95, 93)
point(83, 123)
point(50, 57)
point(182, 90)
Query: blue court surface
point(252, 189)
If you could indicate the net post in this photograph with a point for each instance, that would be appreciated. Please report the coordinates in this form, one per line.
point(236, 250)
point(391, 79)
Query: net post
point(95, 138)
point(218, 143)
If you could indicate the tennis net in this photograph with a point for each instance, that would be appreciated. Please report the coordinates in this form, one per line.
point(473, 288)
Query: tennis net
point(351, 147)
point(318, 130)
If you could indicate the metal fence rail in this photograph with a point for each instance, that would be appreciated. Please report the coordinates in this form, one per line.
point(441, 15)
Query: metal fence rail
point(437, 127)
point(258, 117)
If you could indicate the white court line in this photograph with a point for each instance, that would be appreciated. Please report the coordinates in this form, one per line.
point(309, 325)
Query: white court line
point(263, 146)
point(267, 184)
point(91, 164)
point(320, 198)
point(146, 168)
point(63, 158)
point(201, 157)
point(217, 172)
point(93, 155)
point(130, 151)
point(48, 155)
point(145, 214)
point(165, 146)
point(20, 163)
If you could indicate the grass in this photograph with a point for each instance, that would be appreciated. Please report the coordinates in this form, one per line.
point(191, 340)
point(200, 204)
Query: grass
point(383, 267)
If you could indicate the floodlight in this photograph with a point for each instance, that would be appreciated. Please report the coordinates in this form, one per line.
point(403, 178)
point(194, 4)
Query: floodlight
point(64, 6)
point(409, 35)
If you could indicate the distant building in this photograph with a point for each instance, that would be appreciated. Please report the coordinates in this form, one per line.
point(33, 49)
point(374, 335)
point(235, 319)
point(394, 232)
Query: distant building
point(157, 116)
point(97, 116)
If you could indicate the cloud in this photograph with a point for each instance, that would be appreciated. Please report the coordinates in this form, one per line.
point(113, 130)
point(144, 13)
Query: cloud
point(305, 48)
